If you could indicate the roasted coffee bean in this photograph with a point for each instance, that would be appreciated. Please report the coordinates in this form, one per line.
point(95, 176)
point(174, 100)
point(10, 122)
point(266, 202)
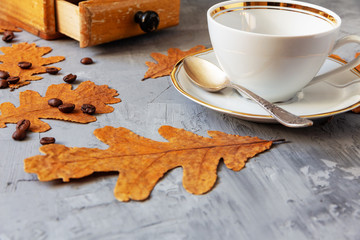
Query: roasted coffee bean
point(23, 125)
point(47, 140)
point(19, 135)
point(12, 80)
point(24, 65)
point(4, 75)
point(52, 70)
point(66, 107)
point(4, 83)
point(8, 36)
point(86, 61)
point(55, 102)
point(70, 78)
point(88, 109)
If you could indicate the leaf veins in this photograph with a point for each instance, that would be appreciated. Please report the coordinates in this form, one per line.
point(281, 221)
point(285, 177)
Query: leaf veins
point(28, 53)
point(165, 64)
point(35, 107)
point(141, 162)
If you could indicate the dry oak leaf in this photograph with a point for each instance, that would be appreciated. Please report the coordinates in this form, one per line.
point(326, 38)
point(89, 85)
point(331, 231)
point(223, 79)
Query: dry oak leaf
point(165, 64)
point(141, 162)
point(34, 107)
point(28, 53)
point(5, 26)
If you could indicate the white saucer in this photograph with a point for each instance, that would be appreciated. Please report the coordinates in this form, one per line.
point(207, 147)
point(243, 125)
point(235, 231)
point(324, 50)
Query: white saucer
point(315, 101)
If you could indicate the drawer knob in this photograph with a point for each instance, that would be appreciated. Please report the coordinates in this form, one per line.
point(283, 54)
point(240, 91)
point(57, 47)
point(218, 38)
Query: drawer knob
point(148, 21)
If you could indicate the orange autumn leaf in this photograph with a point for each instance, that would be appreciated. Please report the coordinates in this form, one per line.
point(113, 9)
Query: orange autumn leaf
point(5, 26)
point(142, 162)
point(165, 64)
point(28, 53)
point(35, 107)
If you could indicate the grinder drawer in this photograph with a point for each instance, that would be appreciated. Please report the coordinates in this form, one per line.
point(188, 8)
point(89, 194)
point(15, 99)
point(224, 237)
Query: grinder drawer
point(99, 21)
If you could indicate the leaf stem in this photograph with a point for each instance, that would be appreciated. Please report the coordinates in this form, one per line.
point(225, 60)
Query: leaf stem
point(280, 141)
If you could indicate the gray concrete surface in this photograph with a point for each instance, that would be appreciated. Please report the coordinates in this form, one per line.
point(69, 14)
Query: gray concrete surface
point(306, 189)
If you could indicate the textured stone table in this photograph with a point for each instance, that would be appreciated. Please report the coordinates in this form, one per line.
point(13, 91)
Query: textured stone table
point(306, 189)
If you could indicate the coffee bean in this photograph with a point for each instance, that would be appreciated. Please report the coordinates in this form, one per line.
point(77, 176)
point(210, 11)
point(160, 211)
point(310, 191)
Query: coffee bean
point(4, 84)
point(4, 75)
point(88, 109)
point(55, 102)
point(86, 61)
point(25, 65)
point(23, 125)
point(66, 107)
point(47, 140)
point(13, 80)
point(8, 36)
point(19, 135)
point(52, 70)
point(70, 78)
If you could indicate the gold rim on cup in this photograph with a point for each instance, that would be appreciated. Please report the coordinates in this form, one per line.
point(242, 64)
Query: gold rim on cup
point(283, 6)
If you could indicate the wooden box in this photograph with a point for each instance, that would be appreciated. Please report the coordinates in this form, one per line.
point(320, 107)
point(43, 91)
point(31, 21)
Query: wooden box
point(90, 22)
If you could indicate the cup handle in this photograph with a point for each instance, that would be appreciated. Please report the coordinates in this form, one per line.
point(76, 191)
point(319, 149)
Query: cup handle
point(355, 62)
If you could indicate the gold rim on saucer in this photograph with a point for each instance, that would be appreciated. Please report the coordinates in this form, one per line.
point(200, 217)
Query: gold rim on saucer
point(255, 116)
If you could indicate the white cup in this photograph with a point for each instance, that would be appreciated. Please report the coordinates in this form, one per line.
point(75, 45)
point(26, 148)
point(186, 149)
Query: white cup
point(275, 48)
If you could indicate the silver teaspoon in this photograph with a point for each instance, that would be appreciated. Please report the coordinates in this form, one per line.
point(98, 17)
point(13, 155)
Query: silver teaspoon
point(211, 78)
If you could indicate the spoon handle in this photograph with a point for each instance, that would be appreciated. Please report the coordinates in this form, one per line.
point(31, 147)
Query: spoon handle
point(282, 116)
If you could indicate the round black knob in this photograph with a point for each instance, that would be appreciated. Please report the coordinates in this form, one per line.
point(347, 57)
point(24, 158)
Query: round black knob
point(148, 21)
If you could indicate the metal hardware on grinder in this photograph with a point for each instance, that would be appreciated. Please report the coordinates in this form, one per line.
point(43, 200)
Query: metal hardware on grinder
point(148, 21)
